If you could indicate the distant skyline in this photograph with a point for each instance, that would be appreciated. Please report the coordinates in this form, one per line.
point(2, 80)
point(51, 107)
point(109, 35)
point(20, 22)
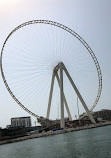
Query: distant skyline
point(90, 19)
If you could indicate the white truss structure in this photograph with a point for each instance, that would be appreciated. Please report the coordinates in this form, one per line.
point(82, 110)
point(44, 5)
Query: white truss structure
point(63, 100)
point(60, 82)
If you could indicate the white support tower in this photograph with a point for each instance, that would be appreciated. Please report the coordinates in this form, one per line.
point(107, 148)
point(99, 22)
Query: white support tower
point(63, 100)
point(50, 96)
point(61, 96)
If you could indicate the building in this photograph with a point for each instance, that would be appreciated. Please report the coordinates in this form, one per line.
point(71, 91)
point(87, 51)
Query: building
point(20, 126)
point(102, 115)
point(21, 122)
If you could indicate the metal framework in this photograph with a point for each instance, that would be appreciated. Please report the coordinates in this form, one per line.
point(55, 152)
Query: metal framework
point(62, 68)
point(71, 32)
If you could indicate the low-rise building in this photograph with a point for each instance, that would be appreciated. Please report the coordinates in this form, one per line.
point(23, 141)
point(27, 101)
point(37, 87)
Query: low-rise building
point(21, 122)
point(102, 115)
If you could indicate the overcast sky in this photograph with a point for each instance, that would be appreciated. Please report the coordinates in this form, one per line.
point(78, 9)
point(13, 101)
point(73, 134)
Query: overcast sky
point(90, 19)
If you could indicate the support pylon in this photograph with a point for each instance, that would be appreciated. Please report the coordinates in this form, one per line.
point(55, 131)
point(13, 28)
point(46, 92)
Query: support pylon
point(50, 96)
point(63, 100)
point(62, 122)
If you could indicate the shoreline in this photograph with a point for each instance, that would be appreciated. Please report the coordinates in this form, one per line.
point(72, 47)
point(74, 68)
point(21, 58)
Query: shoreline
point(50, 133)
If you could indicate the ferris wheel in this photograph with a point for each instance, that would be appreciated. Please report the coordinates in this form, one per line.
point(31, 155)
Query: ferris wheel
point(45, 64)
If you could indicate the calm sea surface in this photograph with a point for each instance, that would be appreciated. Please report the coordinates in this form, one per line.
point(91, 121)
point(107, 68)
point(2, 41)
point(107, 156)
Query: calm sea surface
point(92, 143)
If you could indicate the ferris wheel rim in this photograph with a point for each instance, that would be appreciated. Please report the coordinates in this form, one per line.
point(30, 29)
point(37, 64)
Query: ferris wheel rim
point(77, 36)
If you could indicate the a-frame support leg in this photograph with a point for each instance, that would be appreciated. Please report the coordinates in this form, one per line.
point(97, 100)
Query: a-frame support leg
point(50, 96)
point(78, 94)
point(62, 122)
point(65, 101)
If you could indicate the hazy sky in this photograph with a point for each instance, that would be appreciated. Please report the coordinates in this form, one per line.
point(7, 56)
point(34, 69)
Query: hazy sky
point(90, 19)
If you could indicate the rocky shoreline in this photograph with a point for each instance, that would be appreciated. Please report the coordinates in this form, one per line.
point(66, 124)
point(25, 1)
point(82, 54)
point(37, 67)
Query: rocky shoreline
point(49, 133)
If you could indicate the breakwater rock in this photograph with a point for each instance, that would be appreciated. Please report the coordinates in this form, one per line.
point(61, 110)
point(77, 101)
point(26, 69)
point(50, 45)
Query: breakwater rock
point(50, 133)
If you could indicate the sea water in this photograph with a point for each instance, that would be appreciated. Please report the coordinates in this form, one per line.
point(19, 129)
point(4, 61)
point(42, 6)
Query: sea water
point(90, 143)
